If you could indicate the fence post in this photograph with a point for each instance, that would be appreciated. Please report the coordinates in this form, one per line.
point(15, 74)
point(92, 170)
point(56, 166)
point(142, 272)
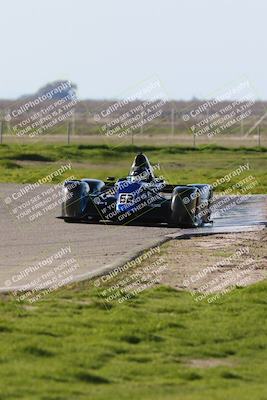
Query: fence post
point(242, 127)
point(68, 131)
point(73, 123)
point(259, 135)
point(71, 127)
point(142, 124)
point(1, 131)
point(172, 122)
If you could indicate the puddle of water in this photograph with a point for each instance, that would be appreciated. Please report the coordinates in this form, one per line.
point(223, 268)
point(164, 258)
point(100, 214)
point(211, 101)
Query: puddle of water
point(251, 211)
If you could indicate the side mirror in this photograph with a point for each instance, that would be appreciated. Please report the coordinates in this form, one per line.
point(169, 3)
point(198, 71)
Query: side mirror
point(111, 178)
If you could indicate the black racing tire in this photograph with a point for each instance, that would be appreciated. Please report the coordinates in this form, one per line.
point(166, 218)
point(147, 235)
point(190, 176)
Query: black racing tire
point(184, 206)
point(71, 220)
point(206, 194)
point(76, 199)
point(94, 220)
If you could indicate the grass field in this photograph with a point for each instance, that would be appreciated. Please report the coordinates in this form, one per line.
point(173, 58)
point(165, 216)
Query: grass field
point(28, 163)
point(160, 345)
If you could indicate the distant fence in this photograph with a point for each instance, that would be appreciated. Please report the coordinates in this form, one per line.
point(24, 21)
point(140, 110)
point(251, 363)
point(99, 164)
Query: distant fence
point(169, 128)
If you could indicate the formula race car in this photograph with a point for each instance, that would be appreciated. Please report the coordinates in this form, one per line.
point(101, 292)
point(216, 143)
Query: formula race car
point(138, 197)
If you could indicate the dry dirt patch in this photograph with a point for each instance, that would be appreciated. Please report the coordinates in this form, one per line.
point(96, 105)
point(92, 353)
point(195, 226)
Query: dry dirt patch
point(208, 363)
point(212, 263)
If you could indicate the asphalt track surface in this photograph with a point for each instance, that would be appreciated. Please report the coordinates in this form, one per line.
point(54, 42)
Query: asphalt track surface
point(35, 244)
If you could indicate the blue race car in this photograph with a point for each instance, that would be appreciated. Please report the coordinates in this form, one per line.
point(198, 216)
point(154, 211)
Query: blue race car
point(140, 196)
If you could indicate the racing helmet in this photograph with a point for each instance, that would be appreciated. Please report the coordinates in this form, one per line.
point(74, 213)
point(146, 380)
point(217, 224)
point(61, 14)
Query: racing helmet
point(141, 169)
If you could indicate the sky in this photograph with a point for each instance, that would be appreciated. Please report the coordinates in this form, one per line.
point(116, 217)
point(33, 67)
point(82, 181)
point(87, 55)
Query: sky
point(108, 46)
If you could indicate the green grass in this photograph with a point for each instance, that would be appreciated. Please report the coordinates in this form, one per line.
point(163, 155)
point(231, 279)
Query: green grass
point(69, 346)
point(27, 163)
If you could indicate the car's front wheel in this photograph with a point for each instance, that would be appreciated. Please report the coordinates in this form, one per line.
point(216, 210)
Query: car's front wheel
point(184, 206)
